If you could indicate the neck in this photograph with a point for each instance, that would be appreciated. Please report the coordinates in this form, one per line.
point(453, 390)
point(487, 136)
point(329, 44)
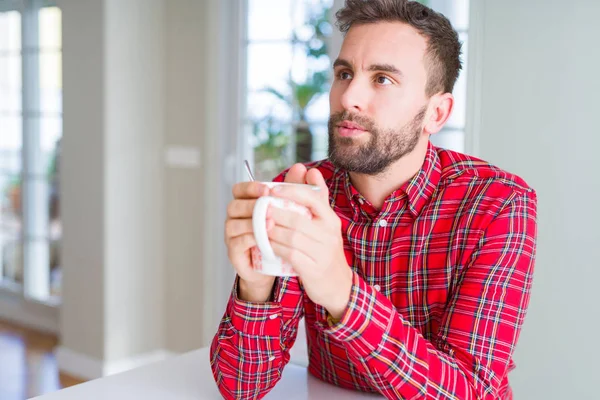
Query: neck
point(377, 188)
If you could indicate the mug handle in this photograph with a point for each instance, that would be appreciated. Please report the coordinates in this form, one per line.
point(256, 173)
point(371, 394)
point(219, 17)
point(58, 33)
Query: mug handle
point(259, 226)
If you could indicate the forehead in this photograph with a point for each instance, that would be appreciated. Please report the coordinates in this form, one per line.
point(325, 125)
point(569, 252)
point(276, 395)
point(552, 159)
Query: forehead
point(393, 43)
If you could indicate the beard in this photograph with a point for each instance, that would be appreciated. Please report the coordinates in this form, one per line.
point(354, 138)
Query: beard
point(384, 147)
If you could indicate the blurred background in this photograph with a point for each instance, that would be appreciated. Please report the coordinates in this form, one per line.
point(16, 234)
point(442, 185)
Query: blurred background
point(123, 124)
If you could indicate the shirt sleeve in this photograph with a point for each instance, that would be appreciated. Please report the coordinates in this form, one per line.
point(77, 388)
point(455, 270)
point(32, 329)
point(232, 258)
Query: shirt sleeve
point(252, 343)
point(470, 355)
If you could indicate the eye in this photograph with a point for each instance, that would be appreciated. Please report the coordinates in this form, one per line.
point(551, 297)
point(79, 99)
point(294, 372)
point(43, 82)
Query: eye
point(344, 75)
point(383, 80)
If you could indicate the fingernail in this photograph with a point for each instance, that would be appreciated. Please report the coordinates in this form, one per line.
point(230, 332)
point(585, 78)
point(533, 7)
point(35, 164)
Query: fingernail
point(277, 189)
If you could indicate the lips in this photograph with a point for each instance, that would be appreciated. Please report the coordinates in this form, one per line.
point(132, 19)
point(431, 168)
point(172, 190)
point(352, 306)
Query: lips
point(351, 125)
point(350, 129)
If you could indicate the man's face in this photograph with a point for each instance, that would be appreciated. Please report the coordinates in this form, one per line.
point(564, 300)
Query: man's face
point(377, 98)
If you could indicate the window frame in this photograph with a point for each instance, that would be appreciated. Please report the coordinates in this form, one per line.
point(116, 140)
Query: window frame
point(21, 303)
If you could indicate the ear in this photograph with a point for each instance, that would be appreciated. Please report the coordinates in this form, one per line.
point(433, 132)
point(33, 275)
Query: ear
point(440, 108)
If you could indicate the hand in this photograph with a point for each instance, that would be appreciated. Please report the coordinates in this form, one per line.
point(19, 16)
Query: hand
point(240, 239)
point(313, 247)
point(239, 236)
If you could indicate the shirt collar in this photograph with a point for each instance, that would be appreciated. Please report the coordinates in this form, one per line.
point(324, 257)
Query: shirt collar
point(422, 186)
point(418, 190)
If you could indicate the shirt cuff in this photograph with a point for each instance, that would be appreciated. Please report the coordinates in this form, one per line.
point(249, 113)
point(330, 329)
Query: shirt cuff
point(365, 322)
point(261, 319)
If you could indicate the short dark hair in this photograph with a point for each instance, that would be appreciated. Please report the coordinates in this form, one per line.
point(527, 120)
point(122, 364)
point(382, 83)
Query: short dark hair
point(442, 58)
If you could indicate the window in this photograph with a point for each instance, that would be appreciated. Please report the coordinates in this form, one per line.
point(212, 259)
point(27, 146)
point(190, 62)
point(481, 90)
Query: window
point(452, 136)
point(287, 82)
point(30, 132)
point(288, 77)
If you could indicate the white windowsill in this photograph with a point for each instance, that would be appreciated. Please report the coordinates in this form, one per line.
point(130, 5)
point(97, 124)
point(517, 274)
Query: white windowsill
point(38, 315)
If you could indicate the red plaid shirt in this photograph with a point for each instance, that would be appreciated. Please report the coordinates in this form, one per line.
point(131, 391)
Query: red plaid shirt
point(442, 278)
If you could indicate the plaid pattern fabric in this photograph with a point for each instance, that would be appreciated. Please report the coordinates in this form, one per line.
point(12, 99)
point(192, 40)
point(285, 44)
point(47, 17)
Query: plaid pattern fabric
point(440, 292)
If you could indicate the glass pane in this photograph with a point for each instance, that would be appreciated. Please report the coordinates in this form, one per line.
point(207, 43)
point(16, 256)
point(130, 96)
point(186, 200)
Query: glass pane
point(320, 141)
point(11, 249)
point(50, 60)
point(288, 85)
point(10, 102)
point(10, 83)
point(10, 162)
point(269, 20)
point(11, 257)
point(450, 139)
point(51, 82)
point(317, 110)
point(270, 140)
point(457, 11)
point(458, 117)
point(36, 233)
point(266, 104)
point(54, 221)
point(10, 32)
point(10, 191)
point(299, 70)
point(307, 14)
point(269, 66)
point(10, 144)
point(50, 20)
point(460, 15)
point(50, 132)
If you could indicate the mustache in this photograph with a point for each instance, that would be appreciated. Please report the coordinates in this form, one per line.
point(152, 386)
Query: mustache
point(365, 122)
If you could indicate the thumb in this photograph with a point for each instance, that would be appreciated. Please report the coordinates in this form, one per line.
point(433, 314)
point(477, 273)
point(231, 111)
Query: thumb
point(314, 177)
point(296, 174)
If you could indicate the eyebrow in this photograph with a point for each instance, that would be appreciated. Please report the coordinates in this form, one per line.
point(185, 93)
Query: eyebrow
point(340, 62)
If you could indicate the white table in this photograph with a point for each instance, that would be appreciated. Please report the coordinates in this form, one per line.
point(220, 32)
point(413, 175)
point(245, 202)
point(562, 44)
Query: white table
point(189, 377)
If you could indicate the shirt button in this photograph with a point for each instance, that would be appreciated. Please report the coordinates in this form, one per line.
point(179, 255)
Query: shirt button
point(273, 316)
point(377, 287)
point(361, 201)
point(382, 223)
point(272, 358)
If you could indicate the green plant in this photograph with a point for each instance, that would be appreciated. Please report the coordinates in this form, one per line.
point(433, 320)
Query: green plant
point(270, 147)
point(300, 95)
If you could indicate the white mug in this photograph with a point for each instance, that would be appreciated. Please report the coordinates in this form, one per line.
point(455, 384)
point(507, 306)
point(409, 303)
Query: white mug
point(264, 259)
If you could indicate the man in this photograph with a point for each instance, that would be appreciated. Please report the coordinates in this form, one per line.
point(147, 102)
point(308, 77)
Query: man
point(414, 275)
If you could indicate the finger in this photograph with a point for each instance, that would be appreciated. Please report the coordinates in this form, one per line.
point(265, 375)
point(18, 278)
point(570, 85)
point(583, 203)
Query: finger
point(293, 220)
point(314, 177)
point(249, 190)
point(240, 244)
point(294, 239)
point(306, 196)
point(240, 208)
point(237, 227)
point(299, 260)
point(296, 174)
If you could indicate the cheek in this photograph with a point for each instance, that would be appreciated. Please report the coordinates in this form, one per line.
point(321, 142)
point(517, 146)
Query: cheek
point(393, 110)
point(385, 112)
point(335, 96)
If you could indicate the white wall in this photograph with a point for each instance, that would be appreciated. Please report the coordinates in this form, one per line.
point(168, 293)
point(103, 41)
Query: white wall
point(82, 169)
point(144, 259)
point(184, 202)
point(113, 296)
point(134, 127)
point(539, 105)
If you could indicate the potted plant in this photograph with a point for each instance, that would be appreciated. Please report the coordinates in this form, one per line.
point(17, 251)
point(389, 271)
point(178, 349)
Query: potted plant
point(301, 94)
point(14, 195)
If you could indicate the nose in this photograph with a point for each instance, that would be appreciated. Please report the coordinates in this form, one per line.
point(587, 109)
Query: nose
point(354, 97)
